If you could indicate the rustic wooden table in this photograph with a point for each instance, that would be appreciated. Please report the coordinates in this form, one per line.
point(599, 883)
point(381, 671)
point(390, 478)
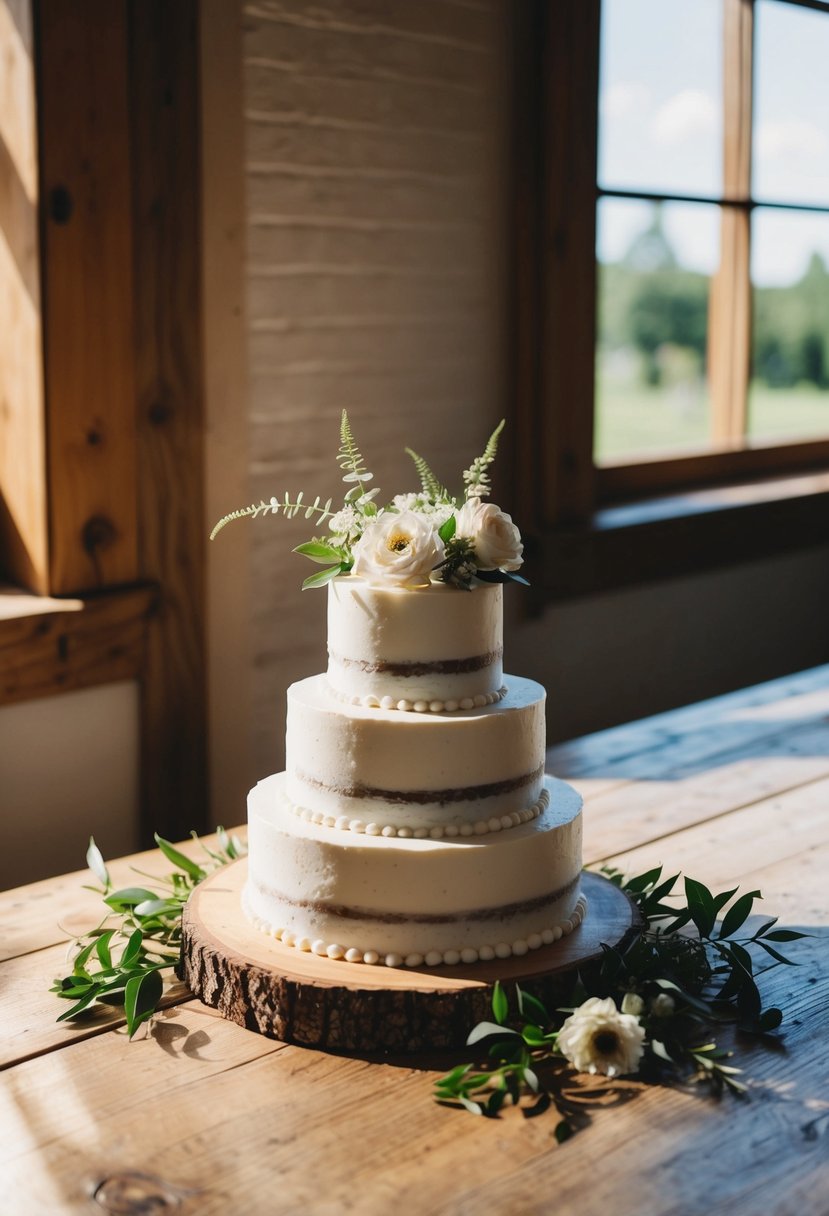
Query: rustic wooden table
point(202, 1117)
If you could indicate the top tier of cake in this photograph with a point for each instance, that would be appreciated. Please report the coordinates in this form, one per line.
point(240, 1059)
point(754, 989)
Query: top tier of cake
point(432, 648)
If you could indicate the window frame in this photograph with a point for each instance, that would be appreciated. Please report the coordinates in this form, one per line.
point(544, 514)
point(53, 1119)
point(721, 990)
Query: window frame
point(557, 486)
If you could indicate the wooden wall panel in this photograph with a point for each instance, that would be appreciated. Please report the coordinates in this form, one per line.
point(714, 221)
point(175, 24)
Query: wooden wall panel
point(87, 250)
point(23, 516)
point(170, 408)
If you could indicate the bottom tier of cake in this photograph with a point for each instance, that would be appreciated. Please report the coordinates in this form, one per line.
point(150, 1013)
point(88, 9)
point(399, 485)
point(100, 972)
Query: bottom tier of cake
point(407, 901)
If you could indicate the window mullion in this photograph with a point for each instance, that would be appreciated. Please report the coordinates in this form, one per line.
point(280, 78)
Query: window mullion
point(729, 346)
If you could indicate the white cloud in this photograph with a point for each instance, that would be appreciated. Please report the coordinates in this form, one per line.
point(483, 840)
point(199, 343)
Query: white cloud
point(791, 139)
point(683, 116)
point(624, 99)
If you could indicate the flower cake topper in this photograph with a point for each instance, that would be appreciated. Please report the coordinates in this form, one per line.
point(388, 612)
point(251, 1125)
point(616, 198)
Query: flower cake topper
point(415, 539)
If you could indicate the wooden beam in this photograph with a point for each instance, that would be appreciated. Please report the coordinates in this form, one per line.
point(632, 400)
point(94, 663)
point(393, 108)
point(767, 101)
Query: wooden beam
point(52, 646)
point(729, 333)
point(24, 553)
point(555, 91)
point(229, 664)
point(87, 250)
point(565, 426)
point(164, 102)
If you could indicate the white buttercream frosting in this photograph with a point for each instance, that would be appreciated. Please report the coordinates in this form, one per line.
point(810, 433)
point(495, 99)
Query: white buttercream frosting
point(405, 895)
point(411, 769)
point(425, 644)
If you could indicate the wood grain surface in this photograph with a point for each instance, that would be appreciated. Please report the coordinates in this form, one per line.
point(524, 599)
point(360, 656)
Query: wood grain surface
point(203, 1117)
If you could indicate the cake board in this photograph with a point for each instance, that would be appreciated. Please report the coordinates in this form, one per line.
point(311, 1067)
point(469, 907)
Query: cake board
point(298, 997)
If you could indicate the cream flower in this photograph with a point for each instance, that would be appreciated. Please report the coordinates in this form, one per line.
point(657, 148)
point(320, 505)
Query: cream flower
point(495, 538)
point(398, 549)
point(598, 1038)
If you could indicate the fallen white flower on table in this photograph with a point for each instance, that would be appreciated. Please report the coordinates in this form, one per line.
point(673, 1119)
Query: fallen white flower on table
point(597, 1038)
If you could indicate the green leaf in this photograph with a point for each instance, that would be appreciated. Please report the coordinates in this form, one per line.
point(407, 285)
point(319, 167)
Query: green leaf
point(738, 913)
point(529, 1006)
point(474, 1108)
point(151, 907)
point(95, 861)
point(485, 1029)
point(784, 935)
point(141, 998)
point(127, 898)
point(319, 552)
point(531, 1079)
point(447, 529)
point(563, 1131)
point(179, 859)
point(81, 958)
point(659, 1049)
point(775, 954)
point(82, 1004)
point(452, 1078)
point(500, 1003)
point(722, 899)
point(102, 948)
point(641, 881)
point(321, 578)
point(701, 906)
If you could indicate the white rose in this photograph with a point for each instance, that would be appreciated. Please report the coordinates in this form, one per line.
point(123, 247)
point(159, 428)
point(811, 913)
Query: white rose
point(598, 1038)
point(400, 549)
point(495, 538)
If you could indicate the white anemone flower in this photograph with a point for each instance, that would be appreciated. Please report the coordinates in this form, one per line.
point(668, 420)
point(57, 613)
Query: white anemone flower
point(597, 1038)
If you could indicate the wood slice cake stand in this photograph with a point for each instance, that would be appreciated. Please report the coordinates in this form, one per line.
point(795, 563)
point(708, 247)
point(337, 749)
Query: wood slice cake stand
point(298, 997)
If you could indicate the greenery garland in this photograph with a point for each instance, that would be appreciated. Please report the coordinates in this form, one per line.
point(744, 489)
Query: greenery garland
point(649, 1009)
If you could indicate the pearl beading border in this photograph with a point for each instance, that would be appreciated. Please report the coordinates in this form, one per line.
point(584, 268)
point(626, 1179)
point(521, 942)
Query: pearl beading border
point(479, 827)
point(450, 706)
point(430, 958)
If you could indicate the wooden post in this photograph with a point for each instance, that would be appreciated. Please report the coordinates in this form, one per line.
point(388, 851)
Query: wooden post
point(164, 104)
point(729, 342)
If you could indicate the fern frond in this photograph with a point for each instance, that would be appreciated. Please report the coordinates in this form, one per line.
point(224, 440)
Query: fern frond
point(476, 477)
point(287, 506)
point(431, 486)
point(349, 457)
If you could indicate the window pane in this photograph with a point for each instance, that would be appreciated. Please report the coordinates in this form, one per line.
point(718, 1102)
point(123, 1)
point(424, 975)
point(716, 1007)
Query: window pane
point(655, 266)
point(789, 394)
point(660, 98)
point(791, 104)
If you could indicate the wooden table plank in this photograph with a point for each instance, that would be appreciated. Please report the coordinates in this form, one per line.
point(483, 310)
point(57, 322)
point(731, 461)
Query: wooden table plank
point(608, 753)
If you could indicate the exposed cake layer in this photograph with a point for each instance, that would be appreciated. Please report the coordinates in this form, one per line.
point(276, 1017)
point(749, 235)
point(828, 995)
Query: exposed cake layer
point(408, 770)
point(409, 898)
point(426, 645)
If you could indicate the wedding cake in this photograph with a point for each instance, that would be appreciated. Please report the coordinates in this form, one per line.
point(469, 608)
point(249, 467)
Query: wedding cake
point(414, 824)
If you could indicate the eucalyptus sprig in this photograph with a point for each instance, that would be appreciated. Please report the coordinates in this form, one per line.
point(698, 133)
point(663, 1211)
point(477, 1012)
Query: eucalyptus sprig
point(121, 961)
point(684, 974)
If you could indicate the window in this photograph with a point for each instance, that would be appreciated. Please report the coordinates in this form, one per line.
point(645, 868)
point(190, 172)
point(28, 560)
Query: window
point(712, 233)
point(672, 283)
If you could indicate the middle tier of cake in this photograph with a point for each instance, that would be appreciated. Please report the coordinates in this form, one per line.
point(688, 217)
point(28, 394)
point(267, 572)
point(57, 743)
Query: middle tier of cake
point(392, 773)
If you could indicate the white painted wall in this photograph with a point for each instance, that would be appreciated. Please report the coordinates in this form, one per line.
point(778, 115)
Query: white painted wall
point(68, 771)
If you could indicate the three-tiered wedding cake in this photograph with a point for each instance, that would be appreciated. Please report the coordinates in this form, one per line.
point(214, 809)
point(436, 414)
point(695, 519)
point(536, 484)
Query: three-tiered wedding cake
point(414, 824)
